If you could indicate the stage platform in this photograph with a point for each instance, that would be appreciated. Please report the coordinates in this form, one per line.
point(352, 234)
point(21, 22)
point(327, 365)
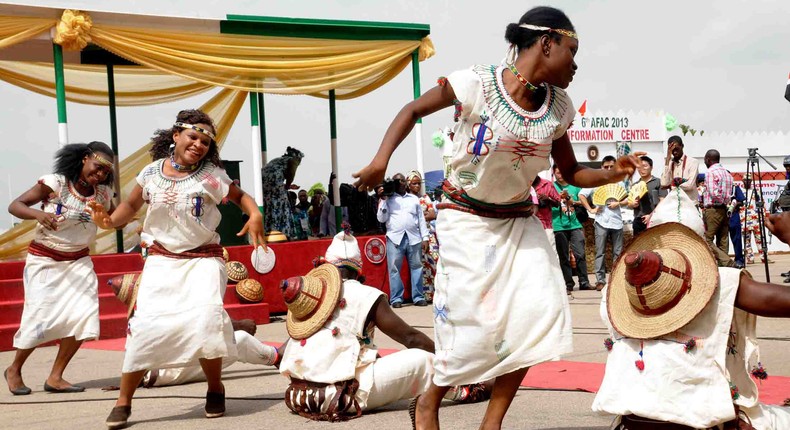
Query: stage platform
point(293, 259)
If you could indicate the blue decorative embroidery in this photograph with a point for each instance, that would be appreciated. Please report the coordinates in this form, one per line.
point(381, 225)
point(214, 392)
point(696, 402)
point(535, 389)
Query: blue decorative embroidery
point(440, 313)
point(480, 139)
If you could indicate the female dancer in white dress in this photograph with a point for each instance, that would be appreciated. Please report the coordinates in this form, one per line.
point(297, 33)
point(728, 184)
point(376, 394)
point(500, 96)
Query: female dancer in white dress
point(500, 306)
point(61, 288)
point(180, 320)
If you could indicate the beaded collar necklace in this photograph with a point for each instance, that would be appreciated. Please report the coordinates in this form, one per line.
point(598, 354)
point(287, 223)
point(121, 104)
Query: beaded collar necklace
point(528, 85)
point(181, 168)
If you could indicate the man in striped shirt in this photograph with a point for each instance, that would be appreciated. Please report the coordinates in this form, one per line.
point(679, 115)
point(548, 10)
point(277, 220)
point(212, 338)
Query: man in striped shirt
point(718, 194)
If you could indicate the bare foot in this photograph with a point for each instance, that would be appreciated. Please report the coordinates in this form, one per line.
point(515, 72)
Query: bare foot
point(424, 417)
point(14, 379)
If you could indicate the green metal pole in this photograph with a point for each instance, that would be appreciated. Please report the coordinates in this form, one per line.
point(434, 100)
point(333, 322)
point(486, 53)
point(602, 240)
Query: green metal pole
point(415, 74)
point(114, 144)
point(262, 116)
point(333, 140)
point(60, 94)
point(256, 152)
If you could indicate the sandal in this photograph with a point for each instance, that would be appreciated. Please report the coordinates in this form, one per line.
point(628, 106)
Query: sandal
point(215, 405)
point(118, 417)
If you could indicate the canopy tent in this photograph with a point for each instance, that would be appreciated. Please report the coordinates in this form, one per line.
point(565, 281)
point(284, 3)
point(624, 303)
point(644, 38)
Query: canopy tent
point(243, 54)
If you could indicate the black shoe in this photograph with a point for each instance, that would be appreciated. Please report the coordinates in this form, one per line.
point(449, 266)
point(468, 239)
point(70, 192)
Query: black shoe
point(397, 305)
point(21, 391)
point(118, 417)
point(73, 389)
point(786, 281)
point(585, 287)
point(421, 303)
point(786, 274)
point(215, 405)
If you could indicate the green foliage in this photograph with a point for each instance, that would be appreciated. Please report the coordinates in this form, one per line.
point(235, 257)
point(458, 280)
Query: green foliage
point(688, 130)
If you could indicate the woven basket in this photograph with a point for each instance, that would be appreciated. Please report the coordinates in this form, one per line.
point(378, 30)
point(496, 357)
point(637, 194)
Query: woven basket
point(236, 271)
point(249, 291)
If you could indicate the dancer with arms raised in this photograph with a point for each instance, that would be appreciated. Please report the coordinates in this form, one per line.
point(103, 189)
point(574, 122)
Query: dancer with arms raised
point(500, 304)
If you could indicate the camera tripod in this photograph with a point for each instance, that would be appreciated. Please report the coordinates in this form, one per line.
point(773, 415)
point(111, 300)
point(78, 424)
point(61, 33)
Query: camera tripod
point(753, 179)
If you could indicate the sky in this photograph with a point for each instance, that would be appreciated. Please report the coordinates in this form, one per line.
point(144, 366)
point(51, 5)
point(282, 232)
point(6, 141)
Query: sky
point(716, 65)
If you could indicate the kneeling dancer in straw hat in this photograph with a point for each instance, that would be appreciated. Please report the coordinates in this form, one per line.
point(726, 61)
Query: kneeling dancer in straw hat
point(683, 353)
point(330, 357)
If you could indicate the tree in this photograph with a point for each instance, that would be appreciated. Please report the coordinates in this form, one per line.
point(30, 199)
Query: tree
point(687, 129)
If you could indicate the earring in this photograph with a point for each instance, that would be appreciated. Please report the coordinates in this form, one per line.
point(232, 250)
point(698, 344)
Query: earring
point(172, 147)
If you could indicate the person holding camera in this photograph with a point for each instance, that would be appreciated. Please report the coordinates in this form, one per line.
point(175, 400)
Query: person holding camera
point(569, 233)
point(407, 235)
point(783, 202)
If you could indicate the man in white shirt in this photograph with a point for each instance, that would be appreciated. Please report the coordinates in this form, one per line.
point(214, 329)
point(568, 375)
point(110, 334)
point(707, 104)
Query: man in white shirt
point(608, 226)
point(407, 234)
point(681, 167)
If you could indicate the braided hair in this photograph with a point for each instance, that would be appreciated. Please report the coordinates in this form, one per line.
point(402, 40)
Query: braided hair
point(163, 138)
point(68, 160)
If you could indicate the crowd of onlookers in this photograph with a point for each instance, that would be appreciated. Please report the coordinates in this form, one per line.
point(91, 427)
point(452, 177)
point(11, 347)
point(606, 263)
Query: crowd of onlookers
point(729, 212)
point(401, 209)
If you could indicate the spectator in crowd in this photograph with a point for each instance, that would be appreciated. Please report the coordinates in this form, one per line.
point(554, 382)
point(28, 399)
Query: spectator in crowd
point(568, 233)
point(277, 178)
point(718, 194)
point(783, 201)
point(300, 225)
point(734, 211)
point(643, 206)
point(545, 196)
point(304, 203)
point(431, 257)
point(407, 235)
point(750, 222)
point(328, 226)
point(361, 210)
point(317, 194)
point(680, 170)
point(608, 226)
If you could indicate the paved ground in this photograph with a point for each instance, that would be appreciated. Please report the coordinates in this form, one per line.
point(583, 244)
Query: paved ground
point(255, 394)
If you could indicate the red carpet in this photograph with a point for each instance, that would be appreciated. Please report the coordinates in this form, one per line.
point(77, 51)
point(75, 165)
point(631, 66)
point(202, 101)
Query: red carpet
point(552, 375)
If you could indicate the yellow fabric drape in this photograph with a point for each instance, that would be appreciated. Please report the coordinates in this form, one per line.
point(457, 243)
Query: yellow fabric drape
point(15, 29)
point(87, 84)
point(223, 108)
point(277, 65)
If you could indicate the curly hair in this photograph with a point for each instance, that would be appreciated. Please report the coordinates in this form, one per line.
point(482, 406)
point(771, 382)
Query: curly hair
point(163, 138)
point(68, 160)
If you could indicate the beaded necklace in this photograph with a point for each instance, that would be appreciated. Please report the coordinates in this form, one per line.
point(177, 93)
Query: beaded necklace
point(528, 85)
point(181, 168)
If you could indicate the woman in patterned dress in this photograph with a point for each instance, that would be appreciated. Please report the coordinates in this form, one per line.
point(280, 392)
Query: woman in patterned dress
point(500, 304)
point(430, 258)
point(61, 288)
point(277, 177)
point(180, 320)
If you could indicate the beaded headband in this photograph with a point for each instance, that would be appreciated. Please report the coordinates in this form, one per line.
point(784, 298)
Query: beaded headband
point(196, 128)
point(549, 29)
point(103, 161)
